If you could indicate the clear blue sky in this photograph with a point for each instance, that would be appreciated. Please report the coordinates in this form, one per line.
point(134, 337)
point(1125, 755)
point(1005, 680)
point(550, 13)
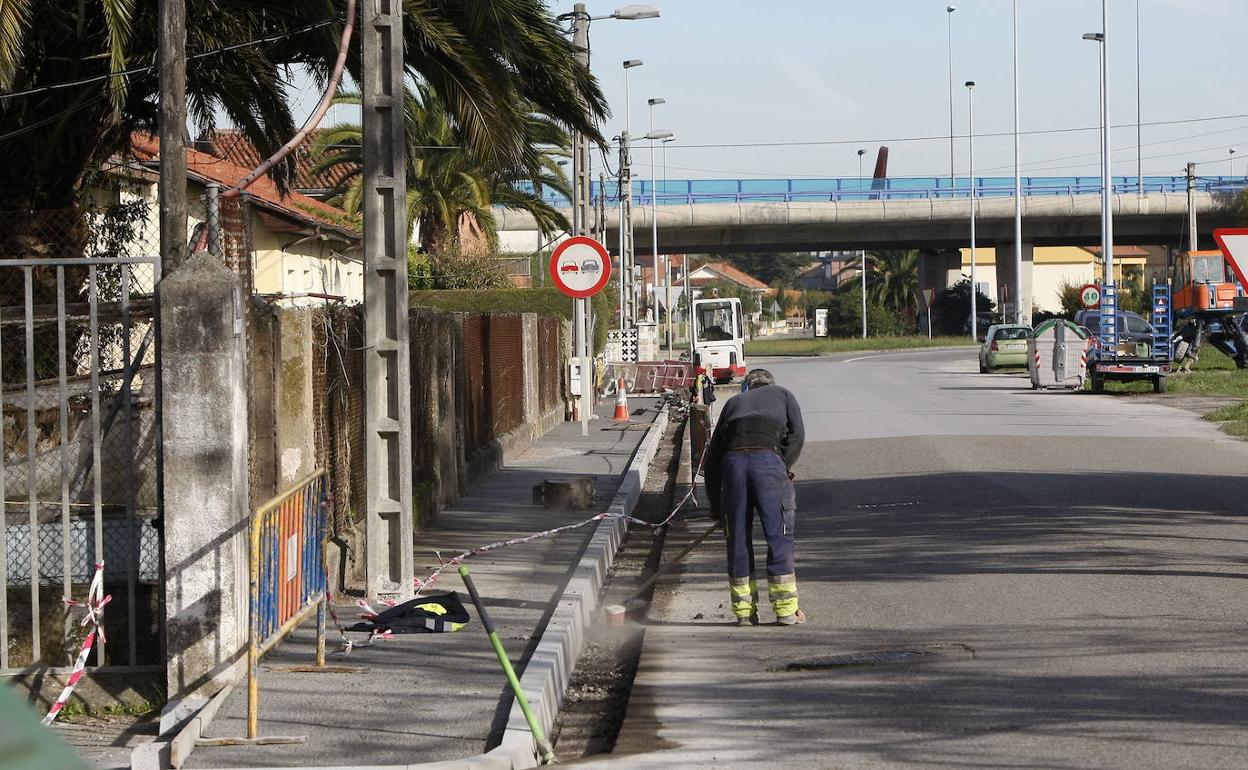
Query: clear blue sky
point(862, 71)
point(819, 70)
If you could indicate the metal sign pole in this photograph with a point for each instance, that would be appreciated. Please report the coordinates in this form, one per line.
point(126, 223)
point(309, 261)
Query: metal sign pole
point(586, 377)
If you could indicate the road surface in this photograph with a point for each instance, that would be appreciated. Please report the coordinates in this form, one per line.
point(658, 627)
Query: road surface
point(1026, 579)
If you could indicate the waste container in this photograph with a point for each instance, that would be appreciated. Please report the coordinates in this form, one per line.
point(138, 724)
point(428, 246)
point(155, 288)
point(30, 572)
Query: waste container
point(1058, 355)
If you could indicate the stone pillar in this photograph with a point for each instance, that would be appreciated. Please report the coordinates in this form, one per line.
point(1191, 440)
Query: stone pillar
point(1005, 276)
point(531, 358)
point(295, 426)
point(203, 371)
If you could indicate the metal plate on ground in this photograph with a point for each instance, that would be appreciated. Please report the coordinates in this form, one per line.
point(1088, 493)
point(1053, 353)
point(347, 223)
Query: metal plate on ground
point(916, 654)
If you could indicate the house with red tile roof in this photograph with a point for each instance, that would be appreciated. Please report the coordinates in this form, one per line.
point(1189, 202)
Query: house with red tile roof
point(299, 245)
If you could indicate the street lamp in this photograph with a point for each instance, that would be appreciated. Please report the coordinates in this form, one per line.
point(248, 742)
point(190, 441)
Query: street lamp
point(654, 227)
point(1232, 159)
point(581, 19)
point(862, 257)
point(1107, 179)
point(626, 204)
point(952, 178)
point(970, 113)
point(654, 136)
point(1018, 191)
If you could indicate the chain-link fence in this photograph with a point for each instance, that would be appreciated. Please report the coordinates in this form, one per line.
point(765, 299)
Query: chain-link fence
point(78, 469)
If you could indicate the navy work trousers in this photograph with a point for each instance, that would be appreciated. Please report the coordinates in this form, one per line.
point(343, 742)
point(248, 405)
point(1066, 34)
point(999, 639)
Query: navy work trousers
point(758, 481)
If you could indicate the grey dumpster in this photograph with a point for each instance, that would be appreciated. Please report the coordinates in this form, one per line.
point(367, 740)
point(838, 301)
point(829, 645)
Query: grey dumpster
point(1058, 355)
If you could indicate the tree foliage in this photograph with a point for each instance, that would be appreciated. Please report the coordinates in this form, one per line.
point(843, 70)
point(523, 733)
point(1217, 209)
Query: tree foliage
point(768, 266)
point(449, 185)
point(488, 61)
point(952, 309)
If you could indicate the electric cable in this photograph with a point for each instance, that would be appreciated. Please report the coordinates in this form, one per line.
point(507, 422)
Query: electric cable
point(150, 67)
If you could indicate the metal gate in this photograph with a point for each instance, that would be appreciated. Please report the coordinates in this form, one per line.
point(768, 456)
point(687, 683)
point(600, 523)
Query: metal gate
point(81, 445)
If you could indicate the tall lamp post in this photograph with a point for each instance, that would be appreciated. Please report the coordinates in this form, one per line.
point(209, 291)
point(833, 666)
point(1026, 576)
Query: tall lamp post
point(1232, 162)
point(654, 136)
point(626, 206)
point(952, 177)
point(580, 21)
point(1018, 191)
point(654, 203)
point(970, 114)
point(1107, 179)
point(862, 257)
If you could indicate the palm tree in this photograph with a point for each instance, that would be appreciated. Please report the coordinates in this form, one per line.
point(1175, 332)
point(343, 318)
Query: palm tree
point(893, 280)
point(480, 57)
point(449, 185)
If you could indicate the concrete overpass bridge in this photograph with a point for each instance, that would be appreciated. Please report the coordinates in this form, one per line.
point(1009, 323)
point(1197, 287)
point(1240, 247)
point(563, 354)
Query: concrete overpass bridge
point(928, 214)
point(715, 216)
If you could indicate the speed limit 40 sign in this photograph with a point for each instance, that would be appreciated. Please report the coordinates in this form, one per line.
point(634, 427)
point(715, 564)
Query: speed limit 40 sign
point(1090, 295)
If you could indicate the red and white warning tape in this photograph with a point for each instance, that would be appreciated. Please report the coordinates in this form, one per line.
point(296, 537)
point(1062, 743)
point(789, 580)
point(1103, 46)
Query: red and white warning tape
point(94, 604)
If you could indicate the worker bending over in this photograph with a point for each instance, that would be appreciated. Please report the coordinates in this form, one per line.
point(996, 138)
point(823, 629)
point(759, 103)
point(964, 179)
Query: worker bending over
point(757, 439)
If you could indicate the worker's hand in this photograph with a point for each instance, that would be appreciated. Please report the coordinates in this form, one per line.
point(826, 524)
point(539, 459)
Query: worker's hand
point(791, 476)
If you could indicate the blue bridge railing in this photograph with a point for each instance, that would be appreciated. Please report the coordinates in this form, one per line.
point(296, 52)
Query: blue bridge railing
point(686, 191)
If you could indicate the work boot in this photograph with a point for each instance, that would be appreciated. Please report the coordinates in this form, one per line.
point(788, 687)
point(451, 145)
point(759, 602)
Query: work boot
point(752, 620)
point(796, 619)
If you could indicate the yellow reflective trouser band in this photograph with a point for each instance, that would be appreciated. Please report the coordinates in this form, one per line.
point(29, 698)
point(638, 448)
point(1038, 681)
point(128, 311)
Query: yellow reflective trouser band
point(436, 609)
point(782, 591)
point(744, 593)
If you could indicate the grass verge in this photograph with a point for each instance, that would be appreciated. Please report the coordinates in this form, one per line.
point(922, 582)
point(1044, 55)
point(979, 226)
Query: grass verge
point(1214, 375)
point(808, 346)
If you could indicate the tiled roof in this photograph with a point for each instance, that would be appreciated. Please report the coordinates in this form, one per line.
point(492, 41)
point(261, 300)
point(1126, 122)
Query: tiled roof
point(296, 206)
point(232, 145)
point(1119, 251)
point(733, 274)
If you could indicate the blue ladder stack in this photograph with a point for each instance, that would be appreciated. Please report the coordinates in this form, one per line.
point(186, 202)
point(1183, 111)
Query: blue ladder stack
point(1109, 321)
point(1163, 322)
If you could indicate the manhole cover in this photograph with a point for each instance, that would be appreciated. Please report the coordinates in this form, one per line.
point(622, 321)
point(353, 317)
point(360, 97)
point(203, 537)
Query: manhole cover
point(882, 658)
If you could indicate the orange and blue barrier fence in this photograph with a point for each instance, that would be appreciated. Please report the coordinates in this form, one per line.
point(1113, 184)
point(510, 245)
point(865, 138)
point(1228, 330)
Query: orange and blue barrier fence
point(288, 577)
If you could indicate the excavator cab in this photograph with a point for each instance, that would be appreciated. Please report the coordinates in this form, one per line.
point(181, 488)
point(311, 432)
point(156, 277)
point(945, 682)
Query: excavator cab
point(1203, 283)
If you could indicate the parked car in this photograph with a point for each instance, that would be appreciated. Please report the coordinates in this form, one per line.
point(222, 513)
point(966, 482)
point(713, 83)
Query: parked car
point(1004, 345)
point(1131, 327)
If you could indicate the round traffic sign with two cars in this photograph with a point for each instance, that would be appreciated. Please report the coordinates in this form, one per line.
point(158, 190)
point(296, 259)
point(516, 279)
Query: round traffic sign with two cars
point(580, 267)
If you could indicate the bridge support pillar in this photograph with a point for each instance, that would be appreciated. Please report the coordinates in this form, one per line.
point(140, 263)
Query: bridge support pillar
point(939, 269)
point(1005, 278)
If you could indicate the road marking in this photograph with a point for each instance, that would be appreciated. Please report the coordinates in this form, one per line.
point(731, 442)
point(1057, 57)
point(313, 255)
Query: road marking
point(903, 353)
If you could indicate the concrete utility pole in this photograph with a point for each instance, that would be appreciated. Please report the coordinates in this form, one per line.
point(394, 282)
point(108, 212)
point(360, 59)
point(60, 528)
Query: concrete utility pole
point(387, 406)
point(628, 309)
point(172, 59)
point(580, 146)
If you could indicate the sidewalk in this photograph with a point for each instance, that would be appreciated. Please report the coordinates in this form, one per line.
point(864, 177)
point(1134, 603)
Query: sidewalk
point(431, 697)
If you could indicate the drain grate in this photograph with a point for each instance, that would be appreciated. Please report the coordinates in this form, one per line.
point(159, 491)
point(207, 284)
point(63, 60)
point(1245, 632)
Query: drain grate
point(881, 658)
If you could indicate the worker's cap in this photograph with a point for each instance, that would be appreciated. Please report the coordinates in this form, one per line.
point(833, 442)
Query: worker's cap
point(757, 378)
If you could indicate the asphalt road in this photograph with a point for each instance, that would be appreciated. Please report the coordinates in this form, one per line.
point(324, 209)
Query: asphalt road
point(1052, 581)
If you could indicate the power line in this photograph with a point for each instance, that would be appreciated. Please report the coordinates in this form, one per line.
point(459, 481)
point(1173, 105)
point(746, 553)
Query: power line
point(944, 137)
point(150, 67)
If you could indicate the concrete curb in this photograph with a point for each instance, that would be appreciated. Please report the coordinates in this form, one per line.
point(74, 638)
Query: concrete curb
point(545, 679)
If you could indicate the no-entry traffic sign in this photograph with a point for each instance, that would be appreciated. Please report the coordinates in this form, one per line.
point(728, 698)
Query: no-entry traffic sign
point(1090, 295)
point(1234, 244)
point(580, 267)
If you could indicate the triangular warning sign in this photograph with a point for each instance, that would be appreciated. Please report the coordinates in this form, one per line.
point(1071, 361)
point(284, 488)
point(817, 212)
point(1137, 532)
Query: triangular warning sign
point(1234, 244)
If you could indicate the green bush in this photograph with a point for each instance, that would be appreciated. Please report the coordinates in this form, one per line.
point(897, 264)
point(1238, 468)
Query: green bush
point(545, 301)
point(845, 317)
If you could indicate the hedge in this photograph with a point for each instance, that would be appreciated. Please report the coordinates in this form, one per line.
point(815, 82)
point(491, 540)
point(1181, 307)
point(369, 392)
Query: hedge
point(546, 301)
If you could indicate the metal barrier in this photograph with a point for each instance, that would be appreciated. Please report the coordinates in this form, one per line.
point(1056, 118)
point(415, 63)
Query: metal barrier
point(288, 535)
point(288, 585)
point(648, 376)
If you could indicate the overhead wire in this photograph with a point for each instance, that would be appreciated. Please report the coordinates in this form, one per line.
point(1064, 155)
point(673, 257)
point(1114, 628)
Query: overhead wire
point(149, 67)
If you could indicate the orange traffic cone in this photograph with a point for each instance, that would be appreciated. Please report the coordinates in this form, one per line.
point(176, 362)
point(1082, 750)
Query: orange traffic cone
point(621, 401)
